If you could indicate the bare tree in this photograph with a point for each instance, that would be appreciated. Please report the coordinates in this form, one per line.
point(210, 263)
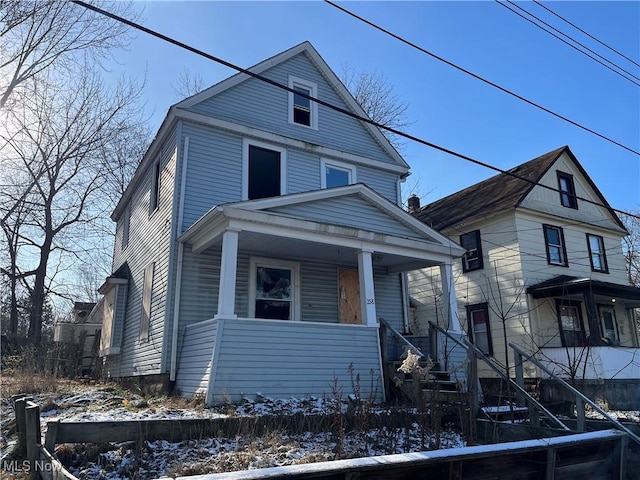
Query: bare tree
point(61, 139)
point(376, 96)
point(36, 36)
point(631, 248)
point(187, 84)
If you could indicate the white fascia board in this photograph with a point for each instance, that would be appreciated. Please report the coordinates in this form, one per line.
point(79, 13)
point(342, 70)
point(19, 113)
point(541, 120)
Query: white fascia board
point(276, 225)
point(148, 158)
point(366, 193)
point(265, 136)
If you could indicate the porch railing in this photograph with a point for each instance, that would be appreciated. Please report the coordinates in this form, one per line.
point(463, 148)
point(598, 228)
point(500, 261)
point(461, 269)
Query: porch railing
point(534, 405)
point(581, 399)
point(400, 337)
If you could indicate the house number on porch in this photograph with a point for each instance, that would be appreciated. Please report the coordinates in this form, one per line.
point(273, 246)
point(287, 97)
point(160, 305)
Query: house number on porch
point(370, 301)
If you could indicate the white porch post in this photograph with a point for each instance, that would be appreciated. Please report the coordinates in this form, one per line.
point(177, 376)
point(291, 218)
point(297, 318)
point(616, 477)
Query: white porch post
point(449, 299)
point(367, 294)
point(228, 270)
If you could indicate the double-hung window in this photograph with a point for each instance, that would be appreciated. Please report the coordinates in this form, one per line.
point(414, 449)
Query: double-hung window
point(571, 326)
point(479, 327)
point(597, 254)
point(302, 110)
point(274, 289)
point(472, 260)
point(154, 194)
point(264, 171)
point(567, 190)
point(556, 250)
point(336, 174)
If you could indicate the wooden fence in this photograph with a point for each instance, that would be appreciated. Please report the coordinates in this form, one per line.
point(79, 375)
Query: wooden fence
point(595, 455)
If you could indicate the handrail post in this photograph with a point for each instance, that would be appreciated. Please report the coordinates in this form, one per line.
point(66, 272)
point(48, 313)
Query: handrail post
point(32, 418)
point(580, 414)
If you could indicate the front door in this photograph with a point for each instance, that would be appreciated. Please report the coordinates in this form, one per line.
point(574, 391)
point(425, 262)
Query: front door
point(349, 296)
point(608, 323)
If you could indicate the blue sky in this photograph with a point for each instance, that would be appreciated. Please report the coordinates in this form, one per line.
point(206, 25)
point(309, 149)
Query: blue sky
point(446, 107)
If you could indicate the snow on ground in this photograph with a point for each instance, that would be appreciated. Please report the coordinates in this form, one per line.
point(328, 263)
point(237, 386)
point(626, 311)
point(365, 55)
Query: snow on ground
point(209, 455)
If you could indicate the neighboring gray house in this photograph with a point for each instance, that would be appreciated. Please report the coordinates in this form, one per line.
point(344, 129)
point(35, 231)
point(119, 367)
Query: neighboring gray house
point(260, 241)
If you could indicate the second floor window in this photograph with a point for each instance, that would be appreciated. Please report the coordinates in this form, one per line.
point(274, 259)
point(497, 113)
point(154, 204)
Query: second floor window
point(472, 260)
point(154, 200)
point(264, 171)
point(567, 190)
point(597, 255)
point(336, 174)
point(556, 250)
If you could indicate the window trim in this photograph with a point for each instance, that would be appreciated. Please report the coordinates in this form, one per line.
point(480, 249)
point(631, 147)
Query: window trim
point(565, 260)
point(246, 143)
point(465, 267)
point(603, 253)
point(147, 297)
point(254, 263)
point(313, 114)
point(126, 226)
point(572, 200)
point(337, 165)
point(472, 334)
point(560, 302)
point(154, 192)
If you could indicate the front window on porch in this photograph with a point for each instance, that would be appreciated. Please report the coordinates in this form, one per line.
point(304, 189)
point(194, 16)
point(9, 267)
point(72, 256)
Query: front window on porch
point(273, 291)
point(571, 327)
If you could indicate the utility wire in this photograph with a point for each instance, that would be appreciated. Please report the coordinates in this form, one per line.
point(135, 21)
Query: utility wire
point(503, 4)
point(586, 33)
point(329, 105)
point(482, 79)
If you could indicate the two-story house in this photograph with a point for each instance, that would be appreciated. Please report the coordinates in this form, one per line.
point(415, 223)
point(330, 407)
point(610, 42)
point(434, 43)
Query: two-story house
point(544, 270)
point(260, 241)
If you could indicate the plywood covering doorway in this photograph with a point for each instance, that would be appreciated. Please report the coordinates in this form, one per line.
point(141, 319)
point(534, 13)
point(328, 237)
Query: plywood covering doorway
point(349, 296)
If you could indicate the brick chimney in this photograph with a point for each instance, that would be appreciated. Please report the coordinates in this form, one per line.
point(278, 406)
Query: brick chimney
point(414, 203)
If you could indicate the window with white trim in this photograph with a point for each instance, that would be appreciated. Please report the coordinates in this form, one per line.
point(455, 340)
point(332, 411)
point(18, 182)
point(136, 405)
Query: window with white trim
point(336, 174)
point(479, 327)
point(145, 315)
point(274, 287)
point(264, 171)
point(154, 193)
point(302, 110)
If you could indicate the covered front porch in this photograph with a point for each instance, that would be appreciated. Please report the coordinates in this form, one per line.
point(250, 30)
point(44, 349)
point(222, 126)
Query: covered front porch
point(301, 283)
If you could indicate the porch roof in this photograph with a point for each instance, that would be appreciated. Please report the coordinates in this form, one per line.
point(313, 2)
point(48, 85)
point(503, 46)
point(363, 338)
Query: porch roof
point(268, 226)
point(568, 285)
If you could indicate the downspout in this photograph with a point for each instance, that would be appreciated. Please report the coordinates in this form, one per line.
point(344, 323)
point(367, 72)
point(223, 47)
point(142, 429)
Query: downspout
point(176, 304)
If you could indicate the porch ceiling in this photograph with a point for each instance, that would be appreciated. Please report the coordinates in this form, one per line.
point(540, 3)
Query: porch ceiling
point(564, 285)
point(265, 245)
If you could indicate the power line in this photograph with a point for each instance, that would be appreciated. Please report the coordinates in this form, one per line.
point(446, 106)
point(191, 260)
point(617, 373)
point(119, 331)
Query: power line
point(568, 43)
point(482, 79)
point(586, 33)
point(331, 106)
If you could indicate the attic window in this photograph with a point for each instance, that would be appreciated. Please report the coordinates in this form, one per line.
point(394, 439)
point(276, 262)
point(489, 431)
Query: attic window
point(302, 111)
point(567, 190)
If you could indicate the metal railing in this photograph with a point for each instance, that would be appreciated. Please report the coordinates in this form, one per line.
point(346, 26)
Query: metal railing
point(581, 399)
point(401, 337)
point(491, 363)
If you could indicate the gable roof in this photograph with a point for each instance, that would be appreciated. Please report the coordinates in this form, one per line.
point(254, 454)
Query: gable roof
point(499, 194)
point(267, 210)
point(307, 49)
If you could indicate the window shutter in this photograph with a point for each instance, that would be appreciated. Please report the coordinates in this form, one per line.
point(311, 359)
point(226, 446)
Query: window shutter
point(146, 302)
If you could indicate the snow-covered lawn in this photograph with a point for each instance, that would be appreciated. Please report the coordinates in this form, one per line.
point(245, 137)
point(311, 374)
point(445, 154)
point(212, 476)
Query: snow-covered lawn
point(210, 455)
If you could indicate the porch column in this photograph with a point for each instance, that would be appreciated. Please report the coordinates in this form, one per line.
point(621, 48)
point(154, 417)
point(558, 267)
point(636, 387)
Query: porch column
point(595, 336)
point(228, 270)
point(367, 295)
point(449, 299)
